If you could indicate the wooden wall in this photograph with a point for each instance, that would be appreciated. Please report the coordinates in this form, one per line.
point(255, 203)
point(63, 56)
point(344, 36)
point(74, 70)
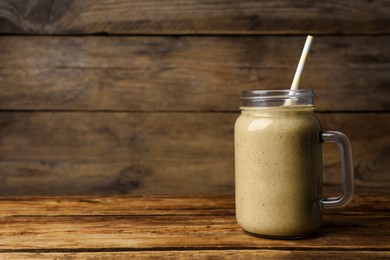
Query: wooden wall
point(140, 97)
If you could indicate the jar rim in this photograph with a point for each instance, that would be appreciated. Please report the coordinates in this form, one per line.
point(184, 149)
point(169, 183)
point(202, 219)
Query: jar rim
point(275, 94)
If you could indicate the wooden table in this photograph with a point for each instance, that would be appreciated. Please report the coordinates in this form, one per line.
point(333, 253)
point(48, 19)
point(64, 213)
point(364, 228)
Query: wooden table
point(170, 227)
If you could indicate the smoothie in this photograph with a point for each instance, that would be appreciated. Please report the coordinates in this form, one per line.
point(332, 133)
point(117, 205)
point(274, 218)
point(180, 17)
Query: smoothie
point(278, 170)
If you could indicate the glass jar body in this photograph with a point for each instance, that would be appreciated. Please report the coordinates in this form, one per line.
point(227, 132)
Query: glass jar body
point(278, 170)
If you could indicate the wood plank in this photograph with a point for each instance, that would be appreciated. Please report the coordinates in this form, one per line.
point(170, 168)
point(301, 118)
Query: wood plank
point(188, 73)
point(131, 205)
point(368, 232)
point(204, 254)
point(368, 153)
point(194, 17)
point(157, 206)
point(71, 153)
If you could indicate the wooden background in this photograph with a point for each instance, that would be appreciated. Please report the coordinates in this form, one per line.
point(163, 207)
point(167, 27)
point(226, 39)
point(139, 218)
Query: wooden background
point(140, 97)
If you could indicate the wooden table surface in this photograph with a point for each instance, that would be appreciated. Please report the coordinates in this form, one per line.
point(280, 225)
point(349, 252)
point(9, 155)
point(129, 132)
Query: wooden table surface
point(121, 227)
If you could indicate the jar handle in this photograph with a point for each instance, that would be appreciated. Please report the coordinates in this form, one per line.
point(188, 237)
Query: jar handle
point(346, 169)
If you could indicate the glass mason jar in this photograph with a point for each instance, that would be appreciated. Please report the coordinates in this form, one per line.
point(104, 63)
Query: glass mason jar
point(278, 164)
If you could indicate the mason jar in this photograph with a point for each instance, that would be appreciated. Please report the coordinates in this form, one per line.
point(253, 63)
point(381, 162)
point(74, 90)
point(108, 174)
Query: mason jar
point(278, 164)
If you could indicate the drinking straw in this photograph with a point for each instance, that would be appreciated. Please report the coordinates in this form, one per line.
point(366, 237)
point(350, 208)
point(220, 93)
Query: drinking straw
point(301, 63)
point(298, 72)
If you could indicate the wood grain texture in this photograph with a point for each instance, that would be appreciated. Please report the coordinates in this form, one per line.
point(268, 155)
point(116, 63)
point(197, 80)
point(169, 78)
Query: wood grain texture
point(166, 232)
point(205, 254)
point(126, 99)
point(217, 205)
point(347, 230)
point(188, 73)
point(194, 17)
point(157, 153)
